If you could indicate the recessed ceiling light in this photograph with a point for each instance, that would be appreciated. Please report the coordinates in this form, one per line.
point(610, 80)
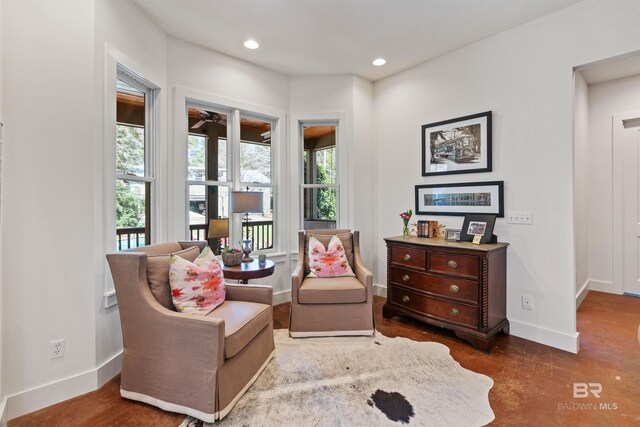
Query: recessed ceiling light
point(251, 44)
point(379, 62)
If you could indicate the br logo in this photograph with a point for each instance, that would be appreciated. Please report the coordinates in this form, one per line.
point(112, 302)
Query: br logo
point(582, 390)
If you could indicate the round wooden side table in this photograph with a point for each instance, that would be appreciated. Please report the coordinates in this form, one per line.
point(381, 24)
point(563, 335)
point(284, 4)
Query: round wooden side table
point(248, 270)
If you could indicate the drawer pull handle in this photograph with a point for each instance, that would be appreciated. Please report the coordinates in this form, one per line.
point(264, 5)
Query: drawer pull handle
point(405, 278)
point(454, 288)
point(452, 264)
point(407, 257)
point(406, 298)
point(454, 312)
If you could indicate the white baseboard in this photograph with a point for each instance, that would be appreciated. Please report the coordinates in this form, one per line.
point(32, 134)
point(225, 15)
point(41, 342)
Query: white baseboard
point(281, 297)
point(601, 286)
point(3, 413)
point(58, 391)
point(582, 293)
point(380, 290)
point(109, 369)
point(550, 337)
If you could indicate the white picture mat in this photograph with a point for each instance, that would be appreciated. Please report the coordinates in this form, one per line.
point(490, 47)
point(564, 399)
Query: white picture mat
point(493, 209)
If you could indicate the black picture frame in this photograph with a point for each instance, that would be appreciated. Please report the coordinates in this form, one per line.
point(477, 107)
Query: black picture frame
point(460, 145)
point(472, 198)
point(472, 221)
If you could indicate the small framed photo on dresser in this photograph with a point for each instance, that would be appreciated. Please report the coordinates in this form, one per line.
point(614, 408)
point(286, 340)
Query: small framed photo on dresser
point(452, 235)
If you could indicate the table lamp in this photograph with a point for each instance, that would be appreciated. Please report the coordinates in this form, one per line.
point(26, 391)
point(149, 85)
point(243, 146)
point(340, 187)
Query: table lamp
point(246, 202)
point(218, 229)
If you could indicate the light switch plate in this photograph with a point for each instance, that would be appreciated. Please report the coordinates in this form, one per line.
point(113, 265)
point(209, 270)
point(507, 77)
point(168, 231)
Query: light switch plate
point(520, 218)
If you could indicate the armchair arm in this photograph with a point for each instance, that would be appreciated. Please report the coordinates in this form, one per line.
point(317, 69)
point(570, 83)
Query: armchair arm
point(298, 273)
point(173, 334)
point(251, 293)
point(296, 279)
point(363, 275)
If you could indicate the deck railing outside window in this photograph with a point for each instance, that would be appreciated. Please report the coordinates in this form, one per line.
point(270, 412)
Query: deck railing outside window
point(260, 231)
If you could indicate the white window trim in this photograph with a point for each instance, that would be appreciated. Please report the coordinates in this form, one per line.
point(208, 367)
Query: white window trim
point(303, 186)
point(107, 187)
point(345, 203)
point(150, 137)
point(178, 162)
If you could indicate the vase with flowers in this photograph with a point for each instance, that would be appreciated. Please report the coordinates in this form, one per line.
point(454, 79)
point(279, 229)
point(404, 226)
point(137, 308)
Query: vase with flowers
point(406, 216)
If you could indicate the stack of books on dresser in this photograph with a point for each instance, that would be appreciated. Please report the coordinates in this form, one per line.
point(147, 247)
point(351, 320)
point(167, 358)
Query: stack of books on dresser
point(428, 229)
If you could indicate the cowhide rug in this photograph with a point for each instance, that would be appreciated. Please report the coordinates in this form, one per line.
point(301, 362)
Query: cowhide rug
point(361, 381)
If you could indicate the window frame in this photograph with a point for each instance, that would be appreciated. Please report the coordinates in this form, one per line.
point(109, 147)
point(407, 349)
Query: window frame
point(336, 122)
point(150, 141)
point(233, 182)
point(105, 188)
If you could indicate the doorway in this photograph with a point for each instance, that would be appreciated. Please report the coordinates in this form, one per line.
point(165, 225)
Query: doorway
point(607, 242)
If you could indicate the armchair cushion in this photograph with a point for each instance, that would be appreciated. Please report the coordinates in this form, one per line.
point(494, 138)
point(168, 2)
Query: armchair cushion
point(196, 287)
point(345, 238)
point(158, 274)
point(329, 261)
point(243, 321)
point(335, 290)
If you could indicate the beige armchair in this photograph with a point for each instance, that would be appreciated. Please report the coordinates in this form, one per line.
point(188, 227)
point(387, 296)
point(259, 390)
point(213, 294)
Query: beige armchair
point(331, 306)
point(190, 364)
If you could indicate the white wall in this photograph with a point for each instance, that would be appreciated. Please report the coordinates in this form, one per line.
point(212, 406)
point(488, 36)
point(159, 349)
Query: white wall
point(581, 184)
point(48, 211)
point(525, 76)
point(122, 33)
point(605, 100)
point(363, 156)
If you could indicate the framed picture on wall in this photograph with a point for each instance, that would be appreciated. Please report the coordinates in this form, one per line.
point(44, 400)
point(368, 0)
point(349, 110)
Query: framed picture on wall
point(482, 198)
point(461, 145)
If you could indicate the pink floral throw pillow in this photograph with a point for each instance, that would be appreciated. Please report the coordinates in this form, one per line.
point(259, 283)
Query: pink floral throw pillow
point(196, 287)
point(329, 262)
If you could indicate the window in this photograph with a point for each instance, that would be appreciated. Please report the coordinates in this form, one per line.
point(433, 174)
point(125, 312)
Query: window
point(218, 164)
point(134, 177)
point(320, 180)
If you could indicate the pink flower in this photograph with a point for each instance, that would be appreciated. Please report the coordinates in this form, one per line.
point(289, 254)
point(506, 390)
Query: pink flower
point(406, 216)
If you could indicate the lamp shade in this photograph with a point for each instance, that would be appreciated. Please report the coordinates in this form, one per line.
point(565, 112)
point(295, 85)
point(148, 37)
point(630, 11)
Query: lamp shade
point(247, 201)
point(218, 228)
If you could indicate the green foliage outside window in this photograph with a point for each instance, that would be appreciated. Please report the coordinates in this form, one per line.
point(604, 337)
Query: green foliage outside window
point(326, 174)
point(129, 204)
point(130, 200)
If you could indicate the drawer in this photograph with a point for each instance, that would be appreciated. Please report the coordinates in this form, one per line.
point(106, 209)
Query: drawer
point(409, 257)
point(464, 290)
point(443, 310)
point(453, 264)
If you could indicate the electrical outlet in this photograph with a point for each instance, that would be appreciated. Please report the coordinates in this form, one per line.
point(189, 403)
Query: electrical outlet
point(527, 302)
point(56, 349)
point(520, 218)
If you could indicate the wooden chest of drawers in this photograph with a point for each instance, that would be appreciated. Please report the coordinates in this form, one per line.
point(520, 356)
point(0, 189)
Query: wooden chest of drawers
point(453, 285)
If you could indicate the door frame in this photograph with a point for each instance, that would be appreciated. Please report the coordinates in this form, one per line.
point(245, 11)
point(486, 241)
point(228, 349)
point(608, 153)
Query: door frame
point(618, 224)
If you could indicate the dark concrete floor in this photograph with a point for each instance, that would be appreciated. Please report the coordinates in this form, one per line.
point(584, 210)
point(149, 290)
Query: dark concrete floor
point(533, 382)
